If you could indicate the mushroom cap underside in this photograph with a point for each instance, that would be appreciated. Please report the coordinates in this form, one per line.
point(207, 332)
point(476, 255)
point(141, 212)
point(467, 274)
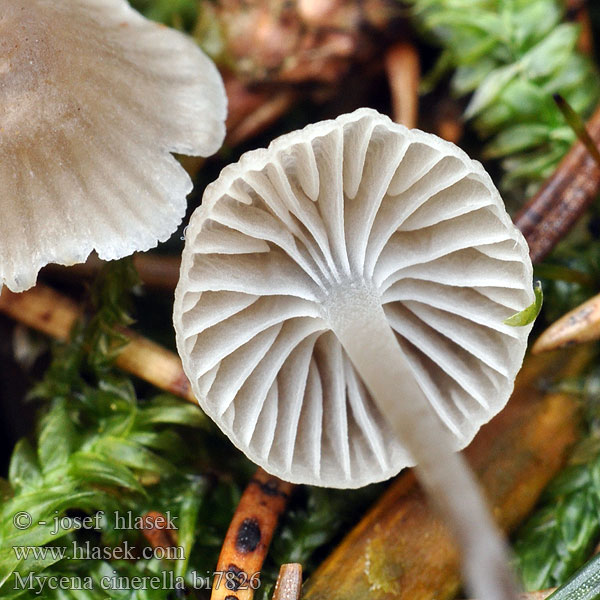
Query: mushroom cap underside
point(292, 239)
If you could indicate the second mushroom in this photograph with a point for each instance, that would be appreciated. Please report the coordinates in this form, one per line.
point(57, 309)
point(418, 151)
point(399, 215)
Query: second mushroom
point(94, 99)
point(340, 315)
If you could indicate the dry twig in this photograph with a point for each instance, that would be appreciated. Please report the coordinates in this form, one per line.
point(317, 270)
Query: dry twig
point(403, 72)
point(565, 196)
point(580, 325)
point(249, 535)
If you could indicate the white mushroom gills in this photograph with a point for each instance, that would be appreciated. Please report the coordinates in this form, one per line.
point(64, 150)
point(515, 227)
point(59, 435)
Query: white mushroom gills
point(340, 314)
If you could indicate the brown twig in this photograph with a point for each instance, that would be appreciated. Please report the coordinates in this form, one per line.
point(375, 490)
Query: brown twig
point(551, 213)
point(403, 71)
point(43, 309)
point(289, 582)
point(249, 535)
point(580, 325)
point(54, 314)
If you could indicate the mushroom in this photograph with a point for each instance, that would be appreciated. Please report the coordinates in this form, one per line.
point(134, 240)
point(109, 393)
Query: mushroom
point(340, 314)
point(93, 100)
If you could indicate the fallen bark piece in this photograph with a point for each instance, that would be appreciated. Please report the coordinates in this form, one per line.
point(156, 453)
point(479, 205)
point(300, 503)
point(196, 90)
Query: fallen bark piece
point(401, 551)
point(580, 325)
point(54, 314)
point(249, 536)
point(289, 582)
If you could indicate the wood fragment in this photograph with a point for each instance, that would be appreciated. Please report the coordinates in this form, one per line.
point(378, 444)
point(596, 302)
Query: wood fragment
point(580, 325)
point(54, 314)
point(401, 551)
point(249, 536)
point(43, 309)
point(289, 582)
point(403, 72)
point(563, 198)
point(151, 362)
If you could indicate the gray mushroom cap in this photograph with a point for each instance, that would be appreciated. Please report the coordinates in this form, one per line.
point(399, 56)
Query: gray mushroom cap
point(292, 251)
point(93, 100)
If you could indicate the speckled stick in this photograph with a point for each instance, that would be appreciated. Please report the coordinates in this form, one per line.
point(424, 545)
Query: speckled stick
point(249, 536)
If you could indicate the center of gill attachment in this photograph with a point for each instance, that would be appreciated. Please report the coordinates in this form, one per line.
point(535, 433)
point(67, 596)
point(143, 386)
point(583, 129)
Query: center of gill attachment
point(351, 305)
point(357, 319)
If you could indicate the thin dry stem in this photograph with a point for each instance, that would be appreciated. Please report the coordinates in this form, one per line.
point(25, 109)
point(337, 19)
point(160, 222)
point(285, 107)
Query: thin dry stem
point(563, 198)
point(580, 325)
point(403, 71)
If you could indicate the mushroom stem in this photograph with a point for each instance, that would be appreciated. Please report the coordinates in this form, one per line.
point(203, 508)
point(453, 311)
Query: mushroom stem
point(377, 356)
